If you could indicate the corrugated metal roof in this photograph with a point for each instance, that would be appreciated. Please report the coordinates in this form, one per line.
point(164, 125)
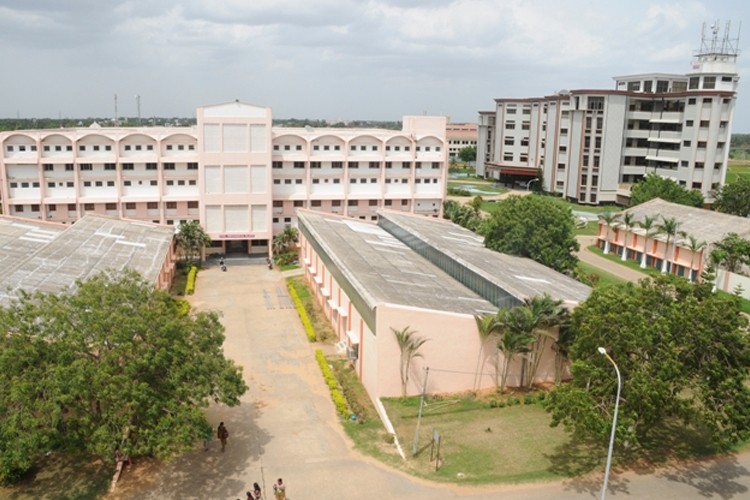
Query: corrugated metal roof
point(93, 244)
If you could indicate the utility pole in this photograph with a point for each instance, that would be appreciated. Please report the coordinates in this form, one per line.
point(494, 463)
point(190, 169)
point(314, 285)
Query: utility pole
point(138, 106)
point(415, 446)
point(117, 119)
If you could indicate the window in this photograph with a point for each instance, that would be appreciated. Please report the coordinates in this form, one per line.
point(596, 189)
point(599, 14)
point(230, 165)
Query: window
point(99, 184)
point(691, 101)
point(152, 205)
point(709, 82)
point(96, 147)
point(88, 206)
point(81, 147)
point(171, 205)
point(335, 203)
point(191, 182)
point(48, 167)
point(46, 148)
point(701, 144)
point(169, 147)
point(150, 166)
point(154, 183)
point(337, 164)
point(686, 144)
point(353, 203)
point(634, 86)
point(110, 166)
point(127, 147)
point(688, 123)
point(192, 165)
point(277, 181)
point(510, 126)
point(373, 203)
point(705, 123)
point(277, 164)
point(693, 83)
point(353, 164)
point(509, 141)
point(192, 204)
point(699, 164)
point(127, 166)
point(50, 184)
point(126, 183)
point(314, 164)
point(71, 207)
point(108, 147)
point(299, 164)
point(169, 166)
point(110, 206)
point(86, 166)
point(180, 183)
point(316, 147)
point(275, 147)
point(662, 86)
point(315, 203)
point(374, 164)
point(181, 147)
point(299, 203)
point(508, 157)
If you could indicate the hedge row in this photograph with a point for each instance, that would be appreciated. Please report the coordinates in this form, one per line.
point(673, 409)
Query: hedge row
point(333, 386)
point(190, 285)
point(309, 330)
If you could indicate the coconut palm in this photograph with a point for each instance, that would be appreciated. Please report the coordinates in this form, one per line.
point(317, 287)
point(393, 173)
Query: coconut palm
point(695, 246)
point(608, 218)
point(628, 221)
point(649, 225)
point(409, 346)
point(670, 228)
point(486, 327)
point(515, 326)
point(547, 313)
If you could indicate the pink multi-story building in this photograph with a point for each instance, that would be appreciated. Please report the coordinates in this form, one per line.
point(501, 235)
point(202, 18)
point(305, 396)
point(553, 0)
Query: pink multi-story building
point(236, 173)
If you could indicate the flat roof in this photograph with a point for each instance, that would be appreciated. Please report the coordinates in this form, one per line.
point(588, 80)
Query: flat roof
point(384, 270)
point(706, 225)
point(93, 244)
point(520, 277)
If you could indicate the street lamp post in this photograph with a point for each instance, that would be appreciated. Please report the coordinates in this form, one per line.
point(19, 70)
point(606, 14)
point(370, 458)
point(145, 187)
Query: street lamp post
point(528, 184)
point(614, 423)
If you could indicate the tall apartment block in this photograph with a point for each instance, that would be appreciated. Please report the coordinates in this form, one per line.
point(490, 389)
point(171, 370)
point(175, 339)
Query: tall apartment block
point(592, 145)
point(242, 178)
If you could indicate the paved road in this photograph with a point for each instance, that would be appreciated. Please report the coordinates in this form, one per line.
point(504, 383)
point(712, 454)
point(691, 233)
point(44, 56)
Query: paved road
point(618, 270)
point(286, 426)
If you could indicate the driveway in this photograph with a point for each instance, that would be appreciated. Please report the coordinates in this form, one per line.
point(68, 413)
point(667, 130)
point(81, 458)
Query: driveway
point(287, 427)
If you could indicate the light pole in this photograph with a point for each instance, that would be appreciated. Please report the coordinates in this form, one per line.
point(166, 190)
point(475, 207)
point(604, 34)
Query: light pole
point(528, 184)
point(614, 423)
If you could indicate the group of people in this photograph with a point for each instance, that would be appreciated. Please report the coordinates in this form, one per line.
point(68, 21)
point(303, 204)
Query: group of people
point(279, 488)
point(279, 491)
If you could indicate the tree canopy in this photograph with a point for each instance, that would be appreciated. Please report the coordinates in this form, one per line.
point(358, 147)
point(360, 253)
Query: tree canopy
point(192, 238)
point(468, 154)
point(654, 186)
point(683, 353)
point(734, 198)
point(536, 227)
point(113, 363)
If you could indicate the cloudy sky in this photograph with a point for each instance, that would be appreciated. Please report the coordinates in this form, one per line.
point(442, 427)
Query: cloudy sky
point(339, 59)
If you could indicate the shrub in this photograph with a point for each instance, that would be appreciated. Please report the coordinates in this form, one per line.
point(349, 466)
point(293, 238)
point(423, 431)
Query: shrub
point(338, 399)
point(190, 285)
point(529, 399)
point(306, 323)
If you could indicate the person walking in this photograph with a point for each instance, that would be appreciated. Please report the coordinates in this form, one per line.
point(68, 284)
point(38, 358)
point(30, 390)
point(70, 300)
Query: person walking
point(256, 494)
point(279, 490)
point(222, 433)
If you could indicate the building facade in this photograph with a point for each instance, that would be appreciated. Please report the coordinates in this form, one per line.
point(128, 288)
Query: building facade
point(431, 276)
point(236, 173)
point(460, 136)
point(592, 145)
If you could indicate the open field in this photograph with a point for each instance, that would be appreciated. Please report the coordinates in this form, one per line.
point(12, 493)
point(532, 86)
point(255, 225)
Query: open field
point(738, 168)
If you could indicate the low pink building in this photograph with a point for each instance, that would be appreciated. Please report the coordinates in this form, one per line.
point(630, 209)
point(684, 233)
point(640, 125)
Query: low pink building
point(426, 274)
point(705, 226)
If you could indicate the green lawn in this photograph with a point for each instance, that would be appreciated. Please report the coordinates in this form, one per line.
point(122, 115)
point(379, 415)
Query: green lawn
point(605, 278)
point(487, 188)
point(737, 168)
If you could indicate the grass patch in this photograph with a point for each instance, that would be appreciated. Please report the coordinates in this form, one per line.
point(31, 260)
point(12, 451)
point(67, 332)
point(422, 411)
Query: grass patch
point(603, 277)
point(629, 263)
point(485, 444)
point(486, 187)
point(63, 475)
point(289, 267)
point(323, 329)
point(591, 228)
point(737, 169)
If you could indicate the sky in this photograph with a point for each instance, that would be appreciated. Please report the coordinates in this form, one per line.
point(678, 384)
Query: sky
point(340, 59)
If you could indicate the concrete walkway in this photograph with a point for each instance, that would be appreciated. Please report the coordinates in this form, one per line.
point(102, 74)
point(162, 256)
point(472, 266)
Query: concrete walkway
point(286, 426)
point(619, 270)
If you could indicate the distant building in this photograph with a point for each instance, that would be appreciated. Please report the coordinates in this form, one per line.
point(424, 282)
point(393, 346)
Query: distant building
point(427, 274)
point(48, 257)
point(592, 145)
point(706, 226)
point(460, 136)
point(238, 175)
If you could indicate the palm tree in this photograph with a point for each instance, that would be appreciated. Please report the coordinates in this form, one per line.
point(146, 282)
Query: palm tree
point(628, 221)
point(546, 313)
point(409, 346)
point(670, 228)
point(649, 225)
point(515, 326)
point(486, 326)
point(695, 246)
point(608, 218)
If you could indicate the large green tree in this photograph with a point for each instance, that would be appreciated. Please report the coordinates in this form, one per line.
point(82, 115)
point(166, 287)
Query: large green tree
point(192, 238)
point(734, 198)
point(467, 154)
point(654, 186)
point(536, 227)
point(683, 353)
point(732, 252)
point(114, 362)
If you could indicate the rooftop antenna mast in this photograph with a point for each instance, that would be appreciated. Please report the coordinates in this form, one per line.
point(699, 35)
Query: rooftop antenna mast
point(717, 43)
point(138, 106)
